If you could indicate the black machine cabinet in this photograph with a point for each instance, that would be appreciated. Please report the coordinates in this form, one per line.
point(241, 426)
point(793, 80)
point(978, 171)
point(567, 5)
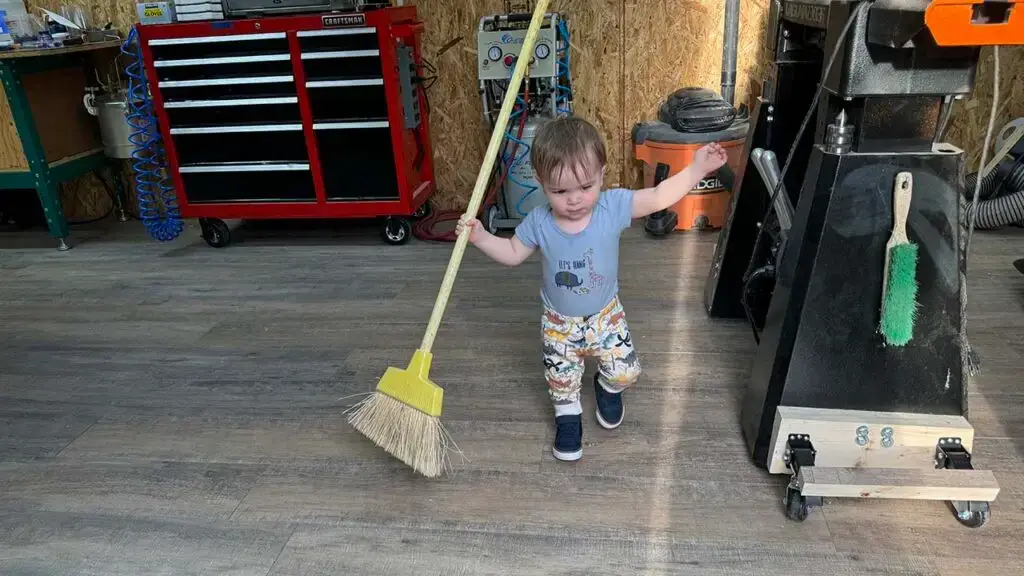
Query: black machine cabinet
point(820, 347)
point(812, 292)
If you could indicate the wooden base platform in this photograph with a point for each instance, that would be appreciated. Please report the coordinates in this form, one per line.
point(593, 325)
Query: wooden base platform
point(973, 485)
point(894, 455)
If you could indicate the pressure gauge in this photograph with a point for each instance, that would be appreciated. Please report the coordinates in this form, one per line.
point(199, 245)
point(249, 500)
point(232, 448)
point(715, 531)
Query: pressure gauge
point(494, 53)
point(542, 51)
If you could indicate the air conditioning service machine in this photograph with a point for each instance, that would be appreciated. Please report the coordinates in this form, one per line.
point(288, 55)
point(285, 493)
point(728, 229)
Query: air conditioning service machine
point(546, 93)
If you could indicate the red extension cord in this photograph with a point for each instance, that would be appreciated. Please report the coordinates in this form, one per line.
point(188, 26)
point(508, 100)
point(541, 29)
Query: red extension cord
point(424, 229)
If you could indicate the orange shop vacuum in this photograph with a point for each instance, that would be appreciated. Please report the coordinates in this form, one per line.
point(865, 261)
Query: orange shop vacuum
point(689, 119)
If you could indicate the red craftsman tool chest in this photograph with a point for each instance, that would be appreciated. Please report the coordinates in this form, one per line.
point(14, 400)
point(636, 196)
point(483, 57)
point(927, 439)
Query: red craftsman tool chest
point(309, 116)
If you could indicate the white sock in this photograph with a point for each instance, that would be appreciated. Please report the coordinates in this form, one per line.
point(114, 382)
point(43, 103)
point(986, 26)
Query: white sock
point(570, 409)
point(601, 381)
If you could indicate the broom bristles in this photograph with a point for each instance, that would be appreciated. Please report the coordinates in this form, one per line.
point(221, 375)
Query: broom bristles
point(410, 435)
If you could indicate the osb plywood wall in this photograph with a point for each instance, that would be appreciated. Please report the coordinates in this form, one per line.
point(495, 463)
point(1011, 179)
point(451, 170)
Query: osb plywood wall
point(627, 55)
point(626, 58)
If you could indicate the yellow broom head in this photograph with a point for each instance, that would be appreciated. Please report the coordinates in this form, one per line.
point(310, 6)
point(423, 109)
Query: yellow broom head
point(404, 417)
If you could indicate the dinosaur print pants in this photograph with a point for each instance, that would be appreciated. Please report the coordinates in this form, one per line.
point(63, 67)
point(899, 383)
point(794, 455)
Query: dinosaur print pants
point(567, 340)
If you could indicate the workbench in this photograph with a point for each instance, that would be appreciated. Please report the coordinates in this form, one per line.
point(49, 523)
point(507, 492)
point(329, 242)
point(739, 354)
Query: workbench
point(53, 138)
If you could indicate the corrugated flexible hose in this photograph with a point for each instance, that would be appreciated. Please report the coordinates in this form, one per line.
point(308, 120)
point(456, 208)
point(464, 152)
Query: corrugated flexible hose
point(1001, 198)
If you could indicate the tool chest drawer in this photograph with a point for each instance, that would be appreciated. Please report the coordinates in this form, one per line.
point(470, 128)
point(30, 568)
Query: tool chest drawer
point(363, 167)
point(228, 69)
point(342, 65)
point(312, 41)
point(348, 102)
point(206, 114)
point(248, 183)
point(261, 143)
point(220, 46)
point(228, 88)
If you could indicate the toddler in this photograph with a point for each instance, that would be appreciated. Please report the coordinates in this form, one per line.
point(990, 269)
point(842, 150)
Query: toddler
point(578, 237)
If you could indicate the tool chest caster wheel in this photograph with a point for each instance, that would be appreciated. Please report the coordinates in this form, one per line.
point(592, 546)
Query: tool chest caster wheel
point(396, 230)
point(215, 232)
point(491, 219)
point(796, 505)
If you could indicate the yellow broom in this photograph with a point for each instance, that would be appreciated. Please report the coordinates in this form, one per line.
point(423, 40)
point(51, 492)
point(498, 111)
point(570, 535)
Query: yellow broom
point(403, 416)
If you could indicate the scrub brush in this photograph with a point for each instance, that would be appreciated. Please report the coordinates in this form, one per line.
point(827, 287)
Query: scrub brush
point(899, 281)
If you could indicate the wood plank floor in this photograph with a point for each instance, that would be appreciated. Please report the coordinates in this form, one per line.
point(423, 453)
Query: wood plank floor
point(172, 409)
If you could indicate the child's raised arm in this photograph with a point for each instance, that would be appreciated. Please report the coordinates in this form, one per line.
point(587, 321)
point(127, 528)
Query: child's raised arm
point(507, 251)
point(649, 200)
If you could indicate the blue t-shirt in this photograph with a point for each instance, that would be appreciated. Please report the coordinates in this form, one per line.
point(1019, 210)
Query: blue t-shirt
point(581, 271)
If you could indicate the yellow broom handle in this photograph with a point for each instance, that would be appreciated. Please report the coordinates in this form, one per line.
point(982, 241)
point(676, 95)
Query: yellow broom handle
point(525, 54)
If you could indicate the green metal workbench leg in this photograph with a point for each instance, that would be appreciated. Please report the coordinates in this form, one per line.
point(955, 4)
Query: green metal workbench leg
point(113, 168)
point(46, 186)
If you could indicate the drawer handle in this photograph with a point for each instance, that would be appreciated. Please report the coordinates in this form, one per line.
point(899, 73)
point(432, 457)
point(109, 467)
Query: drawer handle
point(339, 54)
point(225, 38)
point(226, 81)
point(222, 60)
point(340, 32)
point(350, 125)
point(343, 83)
point(238, 129)
point(232, 102)
point(260, 167)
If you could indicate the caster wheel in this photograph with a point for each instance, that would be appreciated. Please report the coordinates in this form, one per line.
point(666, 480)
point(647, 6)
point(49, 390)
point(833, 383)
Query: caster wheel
point(796, 505)
point(396, 230)
point(215, 232)
point(971, 515)
point(975, 519)
point(423, 211)
point(491, 219)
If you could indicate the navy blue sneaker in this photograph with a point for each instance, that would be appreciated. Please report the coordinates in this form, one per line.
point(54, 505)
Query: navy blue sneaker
point(609, 406)
point(568, 437)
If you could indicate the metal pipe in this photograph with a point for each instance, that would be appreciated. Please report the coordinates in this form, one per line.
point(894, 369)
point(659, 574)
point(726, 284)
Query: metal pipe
point(730, 41)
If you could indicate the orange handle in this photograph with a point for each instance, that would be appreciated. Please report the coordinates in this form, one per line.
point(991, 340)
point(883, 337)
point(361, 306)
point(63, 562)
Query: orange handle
point(951, 23)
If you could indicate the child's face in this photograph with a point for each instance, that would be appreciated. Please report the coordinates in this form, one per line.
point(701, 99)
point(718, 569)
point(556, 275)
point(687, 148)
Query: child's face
point(573, 193)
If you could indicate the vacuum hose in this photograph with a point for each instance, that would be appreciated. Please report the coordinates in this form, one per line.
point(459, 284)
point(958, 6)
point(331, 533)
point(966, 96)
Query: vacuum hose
point(152, 185)
point(1001, 198)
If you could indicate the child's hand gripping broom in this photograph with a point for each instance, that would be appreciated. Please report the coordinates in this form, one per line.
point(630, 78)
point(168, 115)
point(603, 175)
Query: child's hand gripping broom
point(899, 280)
point(403, 416)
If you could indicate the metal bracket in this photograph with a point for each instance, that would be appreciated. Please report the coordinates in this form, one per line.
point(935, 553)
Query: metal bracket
point(406, 74)
point(950, 454)
point(799, 452)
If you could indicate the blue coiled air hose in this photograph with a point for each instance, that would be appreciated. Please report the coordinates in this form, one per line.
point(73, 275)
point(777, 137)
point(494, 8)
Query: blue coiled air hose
point(563, 92)
point(153, 187)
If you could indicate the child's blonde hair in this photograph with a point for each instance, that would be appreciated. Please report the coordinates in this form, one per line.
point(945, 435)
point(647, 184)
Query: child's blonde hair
point(566, 142)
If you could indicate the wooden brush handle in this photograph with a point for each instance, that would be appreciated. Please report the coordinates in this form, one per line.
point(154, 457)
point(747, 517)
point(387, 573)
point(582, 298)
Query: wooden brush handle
point(522, 63)
point(901, 195)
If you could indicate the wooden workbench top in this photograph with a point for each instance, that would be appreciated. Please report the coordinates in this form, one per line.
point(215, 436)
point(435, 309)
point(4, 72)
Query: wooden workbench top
point(35, 52)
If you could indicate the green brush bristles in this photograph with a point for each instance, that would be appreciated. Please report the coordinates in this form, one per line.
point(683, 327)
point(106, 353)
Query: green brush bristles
point(900, 306)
